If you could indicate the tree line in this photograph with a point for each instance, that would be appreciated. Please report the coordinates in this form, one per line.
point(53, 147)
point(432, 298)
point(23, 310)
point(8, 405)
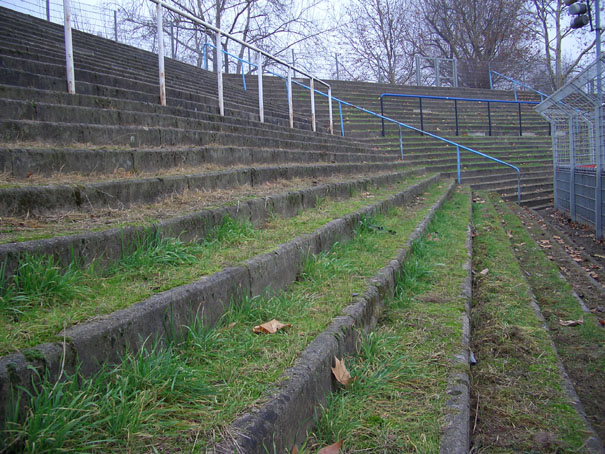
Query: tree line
point(379, 40)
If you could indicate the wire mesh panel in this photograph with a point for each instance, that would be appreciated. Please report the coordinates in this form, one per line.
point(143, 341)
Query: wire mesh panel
point(575, 114)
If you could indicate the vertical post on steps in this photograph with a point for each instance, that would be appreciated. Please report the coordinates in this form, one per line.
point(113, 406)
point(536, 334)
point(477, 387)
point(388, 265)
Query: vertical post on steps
point(337, 71)
point(219, 74)
point(458, 162)
point(455, 73)
point(330, 110)
point(48, 10)
point(69, 51)
point(342, 123)
point(161, 55)
point(115, 26)
point(312, 90)
point(259, 70)
point(417, 58)
point(401, 142)
point(289, 89)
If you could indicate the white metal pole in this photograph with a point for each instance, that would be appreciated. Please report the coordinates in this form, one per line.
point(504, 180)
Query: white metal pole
point(259, 70)
point(330, 110)
point(161, 55)
point(312, 90)
point(219, 73)
point(69, 51)
point(289, 88)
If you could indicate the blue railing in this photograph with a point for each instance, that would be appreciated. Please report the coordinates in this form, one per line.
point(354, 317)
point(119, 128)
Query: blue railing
point(434, 136)
point(456, 100)
point(400, 125)
point(515, 83)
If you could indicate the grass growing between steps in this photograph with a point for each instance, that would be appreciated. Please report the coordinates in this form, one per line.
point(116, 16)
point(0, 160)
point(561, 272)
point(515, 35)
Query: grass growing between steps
point(518, 396)
point(156, 270)
point(581, 348)
point(396, 403)
point(233, 367)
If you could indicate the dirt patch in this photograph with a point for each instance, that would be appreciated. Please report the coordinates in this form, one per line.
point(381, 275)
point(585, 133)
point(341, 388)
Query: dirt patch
point(578, 254)
point(580, 235)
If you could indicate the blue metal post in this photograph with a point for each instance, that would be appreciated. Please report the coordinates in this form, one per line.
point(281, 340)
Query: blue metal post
point(458, 162)
point(421, 116)
point(382, 114)
point(599, 134)
point(456, 112)
point(342, 123)
point(491, 85)
point(520, 122)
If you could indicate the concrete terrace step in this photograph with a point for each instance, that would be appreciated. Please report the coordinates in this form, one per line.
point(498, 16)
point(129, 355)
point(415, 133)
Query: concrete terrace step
point(42, 112)
point(33, 97)
point(23, 161)
point(85, 133)
point(23, 199)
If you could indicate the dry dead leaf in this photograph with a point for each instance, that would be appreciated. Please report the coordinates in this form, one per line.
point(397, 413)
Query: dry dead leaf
point(341, 373)
point(332, 449)
point(509, 233)
point(571, 322)
point(270, 327)
point(484, 272)
point(601, 322)
point(294, 450)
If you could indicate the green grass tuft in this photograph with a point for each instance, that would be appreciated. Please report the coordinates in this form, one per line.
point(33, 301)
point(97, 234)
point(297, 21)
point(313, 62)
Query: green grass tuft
point(39, 282)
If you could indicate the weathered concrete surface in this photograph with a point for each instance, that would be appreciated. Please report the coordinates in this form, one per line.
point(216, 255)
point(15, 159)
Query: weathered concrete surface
point(19, 201)
point(109, 245)
point(289, 412)
point(167, 314)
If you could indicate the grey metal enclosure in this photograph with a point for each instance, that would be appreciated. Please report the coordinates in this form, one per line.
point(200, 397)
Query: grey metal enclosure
point(575, 113)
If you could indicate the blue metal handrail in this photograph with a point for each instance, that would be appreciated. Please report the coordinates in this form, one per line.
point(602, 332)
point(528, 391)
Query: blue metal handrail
point(449, 98)
point(434, 136)
point(515, 83)
point(402, 125)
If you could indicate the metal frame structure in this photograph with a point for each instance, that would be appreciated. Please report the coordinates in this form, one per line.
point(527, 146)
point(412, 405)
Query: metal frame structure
point(576, 117)
point(436, 64)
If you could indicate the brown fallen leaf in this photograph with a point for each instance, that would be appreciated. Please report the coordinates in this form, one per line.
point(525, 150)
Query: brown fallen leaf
point(601, 322)
point(571, 322)
point(332, 449)
point(294, 450)
point(270, 327)
point(509, 233)
point(484, 272)
point(341, 373)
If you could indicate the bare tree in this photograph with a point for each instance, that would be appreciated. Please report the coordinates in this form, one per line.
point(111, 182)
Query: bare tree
point(377, 34)
point(476, 33)
point(273, 25)
point(553, 34)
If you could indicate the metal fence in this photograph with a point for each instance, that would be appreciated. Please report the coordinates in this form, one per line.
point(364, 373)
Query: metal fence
point(576, 116)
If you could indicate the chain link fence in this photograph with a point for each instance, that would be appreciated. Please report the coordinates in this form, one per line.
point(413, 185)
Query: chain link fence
point(576, 114)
